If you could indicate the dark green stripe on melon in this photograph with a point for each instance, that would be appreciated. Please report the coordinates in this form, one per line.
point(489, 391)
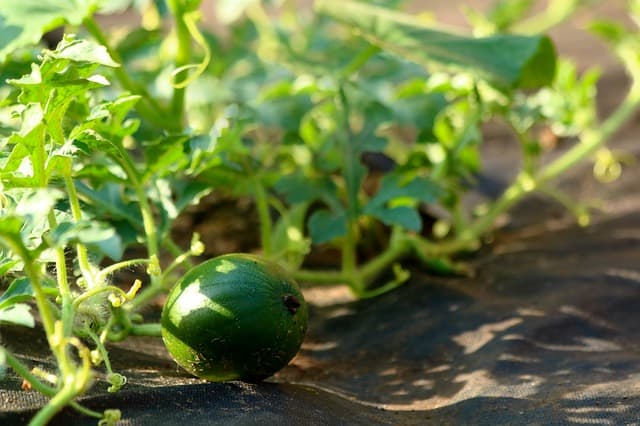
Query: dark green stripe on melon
point(234, 317)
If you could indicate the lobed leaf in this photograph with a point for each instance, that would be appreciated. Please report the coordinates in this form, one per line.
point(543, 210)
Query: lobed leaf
point(18, 314)
point(508, 61)
point(99, 237)
point(325, 225)
point(23, 22)
point(20, 290)
point(396, 201)
point(7, 264)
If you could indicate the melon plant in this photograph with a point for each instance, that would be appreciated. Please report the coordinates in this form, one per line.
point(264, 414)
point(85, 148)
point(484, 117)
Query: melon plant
point(235, 316)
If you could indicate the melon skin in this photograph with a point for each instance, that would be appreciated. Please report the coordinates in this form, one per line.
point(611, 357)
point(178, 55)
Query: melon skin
point(234, 317)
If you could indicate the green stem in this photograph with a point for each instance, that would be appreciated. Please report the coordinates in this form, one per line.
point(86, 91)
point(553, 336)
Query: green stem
point(591, 141)
point(399, 248)
point(81, 249)
point(119, 317)
point(182, 58)
point(63, 283)
point(182, 258)
point(427, 250)
point(38, 157)
point(95, 291)
point(151, 329)
point(111, 269)
point(372, 269)
point(101, 348)
point(352, 187)
point(148, 107)
point(349, 258)
point(176, 251)
point(55, 404)
point(42, 302)
point(523, 185)
point(72, 384)
point(148, 221)
point(22, 371)
point(262, 204)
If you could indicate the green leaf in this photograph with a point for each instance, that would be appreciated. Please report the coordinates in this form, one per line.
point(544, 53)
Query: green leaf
point(23, 22)
point(108, 201)
point(86, 51)
point(6, 265)
point(97, 236)
point(404, 216)
point(187, 193)
point(11, 237)
point(116, 110)
point(396, 201)
point(18, 291)
point(397, 185)
point(325, 225)
point(91, 141)
point(18, 314)
point(298, 188)
point(173, 196)
point(506, 60)
point(39, 202)
point(165, 156)
point(279, 105)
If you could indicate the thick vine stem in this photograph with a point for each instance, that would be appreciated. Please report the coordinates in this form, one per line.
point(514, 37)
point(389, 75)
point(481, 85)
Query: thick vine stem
point(149, 329)
point(182, 57)
point(266, 224)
